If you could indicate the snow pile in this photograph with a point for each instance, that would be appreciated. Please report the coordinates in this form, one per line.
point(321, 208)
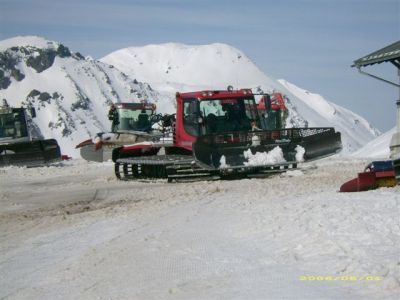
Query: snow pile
point(255, 141)
point(300, 151)
point(275, 156)
point(222, 162)
point(377, 148)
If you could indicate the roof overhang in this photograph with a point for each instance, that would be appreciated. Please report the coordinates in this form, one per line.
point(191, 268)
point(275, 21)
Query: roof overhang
point(389, 53)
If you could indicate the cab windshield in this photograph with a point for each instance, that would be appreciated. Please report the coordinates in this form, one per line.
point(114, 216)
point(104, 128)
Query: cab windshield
point(219, 115)
point(13, 125)
point(128, 119)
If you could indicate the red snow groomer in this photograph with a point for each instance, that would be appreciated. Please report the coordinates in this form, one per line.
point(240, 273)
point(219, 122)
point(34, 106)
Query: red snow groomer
point(130, 123)
point(214, 135)
point(376, 174)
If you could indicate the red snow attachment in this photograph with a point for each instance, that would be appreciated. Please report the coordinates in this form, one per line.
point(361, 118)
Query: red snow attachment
point(377, 174)
point(135, 150)
point(84, 143)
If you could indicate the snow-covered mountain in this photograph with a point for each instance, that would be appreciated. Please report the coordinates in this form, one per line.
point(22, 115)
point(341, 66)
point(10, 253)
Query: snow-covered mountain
point(176, 67)
point(355, 130)
point(71, 94)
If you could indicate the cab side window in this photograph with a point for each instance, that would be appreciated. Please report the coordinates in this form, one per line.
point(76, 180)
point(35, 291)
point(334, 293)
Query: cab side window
point(190, 117)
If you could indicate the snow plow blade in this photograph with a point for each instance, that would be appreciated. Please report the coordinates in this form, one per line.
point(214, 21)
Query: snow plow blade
point(319, 142)
point(90, 153)
point(228, 149)
point(30, 154)
point(102, 147)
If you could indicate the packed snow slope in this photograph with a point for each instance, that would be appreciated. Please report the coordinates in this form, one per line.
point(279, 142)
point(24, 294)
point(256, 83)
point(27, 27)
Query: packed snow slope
point(377, 148)
point(71, 94)
point(73, 231)
point(176, 67)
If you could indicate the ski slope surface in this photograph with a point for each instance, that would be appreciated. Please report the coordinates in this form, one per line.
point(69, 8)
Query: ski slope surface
point(72, 231)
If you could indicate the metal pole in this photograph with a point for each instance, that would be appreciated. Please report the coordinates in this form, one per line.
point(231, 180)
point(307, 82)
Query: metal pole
point(395, 141)
point(398, 106)
point(398, 116)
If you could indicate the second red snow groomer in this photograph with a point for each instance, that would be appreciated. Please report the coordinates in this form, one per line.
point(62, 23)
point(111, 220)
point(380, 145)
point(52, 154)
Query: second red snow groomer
point(212, 135)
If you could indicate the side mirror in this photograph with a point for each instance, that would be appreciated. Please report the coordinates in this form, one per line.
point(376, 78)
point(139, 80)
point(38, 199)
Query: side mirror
point(33, 112)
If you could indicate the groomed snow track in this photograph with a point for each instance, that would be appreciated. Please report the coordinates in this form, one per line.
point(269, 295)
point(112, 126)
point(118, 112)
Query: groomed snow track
point(183, 168)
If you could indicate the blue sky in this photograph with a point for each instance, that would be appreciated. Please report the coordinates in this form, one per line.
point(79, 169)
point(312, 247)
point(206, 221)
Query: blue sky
point(311, 43)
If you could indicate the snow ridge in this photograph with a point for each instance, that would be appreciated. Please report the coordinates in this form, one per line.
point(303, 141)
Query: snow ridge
point(177, 67)
point(344, 120)
point(377, 148)
point(71, 95)
point(27, 41)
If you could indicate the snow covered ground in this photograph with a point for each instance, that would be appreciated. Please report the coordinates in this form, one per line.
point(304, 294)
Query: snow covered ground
point(72, 231)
